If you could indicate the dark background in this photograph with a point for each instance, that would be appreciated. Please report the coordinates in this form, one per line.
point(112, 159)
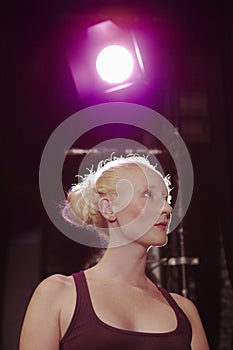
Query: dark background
point(38, 93)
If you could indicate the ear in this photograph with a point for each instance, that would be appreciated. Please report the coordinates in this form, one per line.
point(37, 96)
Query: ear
point(106, 209)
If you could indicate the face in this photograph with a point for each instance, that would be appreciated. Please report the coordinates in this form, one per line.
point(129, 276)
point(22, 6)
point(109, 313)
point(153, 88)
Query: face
point(142, 209)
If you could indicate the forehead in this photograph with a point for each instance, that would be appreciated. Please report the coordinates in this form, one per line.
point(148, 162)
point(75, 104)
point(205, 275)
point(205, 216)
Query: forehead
point(143, 176)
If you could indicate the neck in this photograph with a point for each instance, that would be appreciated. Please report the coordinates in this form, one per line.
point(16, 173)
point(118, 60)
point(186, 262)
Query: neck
point(124, 264)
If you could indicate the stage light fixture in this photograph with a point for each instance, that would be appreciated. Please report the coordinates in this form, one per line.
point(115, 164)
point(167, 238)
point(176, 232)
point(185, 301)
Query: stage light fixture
point(108, 60)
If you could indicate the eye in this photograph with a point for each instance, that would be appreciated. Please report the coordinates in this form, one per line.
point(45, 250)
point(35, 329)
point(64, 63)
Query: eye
point(148, 194)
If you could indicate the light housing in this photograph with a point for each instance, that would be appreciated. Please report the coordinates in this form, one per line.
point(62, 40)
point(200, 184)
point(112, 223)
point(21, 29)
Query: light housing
point(83, 64)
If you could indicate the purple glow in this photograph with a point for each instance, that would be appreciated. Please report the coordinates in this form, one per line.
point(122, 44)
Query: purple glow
point(92, 78)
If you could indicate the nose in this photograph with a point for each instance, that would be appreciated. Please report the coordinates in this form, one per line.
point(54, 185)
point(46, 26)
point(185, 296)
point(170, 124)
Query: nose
point(167, 209)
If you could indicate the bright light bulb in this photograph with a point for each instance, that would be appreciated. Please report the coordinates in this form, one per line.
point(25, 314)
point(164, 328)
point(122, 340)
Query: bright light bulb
point(114, 64)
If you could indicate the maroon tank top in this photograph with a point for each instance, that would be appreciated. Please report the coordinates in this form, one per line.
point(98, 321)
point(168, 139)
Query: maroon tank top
point(87, 332)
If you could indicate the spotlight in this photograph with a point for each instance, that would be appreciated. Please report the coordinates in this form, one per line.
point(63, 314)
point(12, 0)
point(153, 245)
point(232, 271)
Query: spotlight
point(109, 60)
point(114, 64)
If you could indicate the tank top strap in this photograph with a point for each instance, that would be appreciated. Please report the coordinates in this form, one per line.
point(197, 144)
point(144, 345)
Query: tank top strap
point(84, 306)
point(183, 321)
point(170, 299)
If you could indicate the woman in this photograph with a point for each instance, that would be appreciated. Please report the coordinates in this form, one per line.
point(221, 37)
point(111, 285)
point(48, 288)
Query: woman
point(113, 305)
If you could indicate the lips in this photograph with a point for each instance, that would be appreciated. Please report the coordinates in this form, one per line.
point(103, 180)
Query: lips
point(163, 225)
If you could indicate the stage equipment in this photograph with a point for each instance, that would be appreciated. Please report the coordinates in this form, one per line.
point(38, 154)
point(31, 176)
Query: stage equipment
point(110, 59)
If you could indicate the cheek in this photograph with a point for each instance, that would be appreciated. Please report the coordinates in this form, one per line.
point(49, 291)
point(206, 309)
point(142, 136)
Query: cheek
point(138, 208)
point(129, 214)
point(144, 214)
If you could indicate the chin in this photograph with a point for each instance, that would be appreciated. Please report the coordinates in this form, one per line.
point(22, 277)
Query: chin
point(155, 240)
point(160, 242)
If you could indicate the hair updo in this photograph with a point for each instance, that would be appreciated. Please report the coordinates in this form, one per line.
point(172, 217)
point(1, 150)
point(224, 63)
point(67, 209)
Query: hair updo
point(81, 207)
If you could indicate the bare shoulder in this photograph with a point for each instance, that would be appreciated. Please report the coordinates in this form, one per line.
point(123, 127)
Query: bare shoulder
point(185, 304)
point(199, 339)
point(53, 286)
point(188, 307)
point(56, 282)
point(51, 291)
point(45, 304)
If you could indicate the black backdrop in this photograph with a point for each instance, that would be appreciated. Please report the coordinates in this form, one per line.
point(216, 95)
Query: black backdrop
point(38, 93)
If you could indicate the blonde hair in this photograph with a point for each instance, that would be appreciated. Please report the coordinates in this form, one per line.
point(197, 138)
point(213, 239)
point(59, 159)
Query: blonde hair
point(81, 207)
